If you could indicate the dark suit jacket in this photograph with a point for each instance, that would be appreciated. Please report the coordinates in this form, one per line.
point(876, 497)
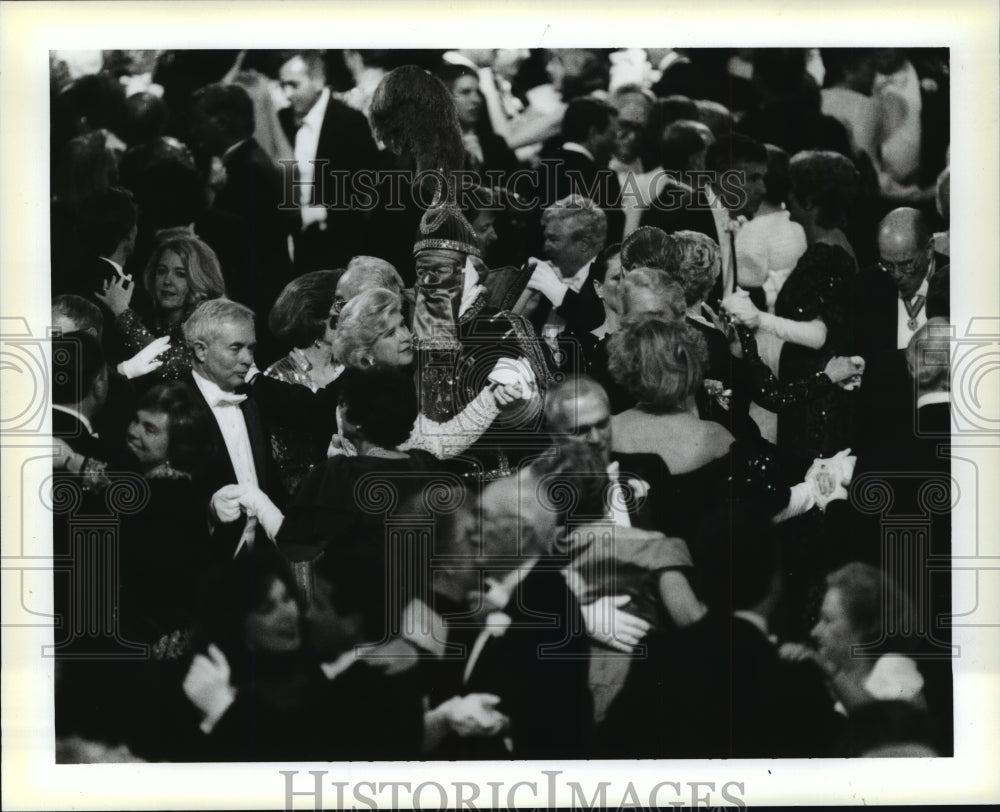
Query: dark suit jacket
point(254, 192)
point(346, 145)
point(539, 669)
point(70, 429)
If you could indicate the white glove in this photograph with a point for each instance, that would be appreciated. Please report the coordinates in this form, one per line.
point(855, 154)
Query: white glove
point(515, 372)
point(607, 624)
point(207, 686)
point(740, 307)
point(546, 281)
point(257, 503)
point(831, 477)
point(146, 360)
point(225, 504)
point(474, 715)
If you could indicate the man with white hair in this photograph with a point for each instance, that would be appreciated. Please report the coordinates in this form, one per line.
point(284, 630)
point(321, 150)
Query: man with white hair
point(222, 339)
point(560, 298)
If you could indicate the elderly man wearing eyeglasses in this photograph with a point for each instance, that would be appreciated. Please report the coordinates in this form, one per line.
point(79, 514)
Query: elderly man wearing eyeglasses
point(893, 300)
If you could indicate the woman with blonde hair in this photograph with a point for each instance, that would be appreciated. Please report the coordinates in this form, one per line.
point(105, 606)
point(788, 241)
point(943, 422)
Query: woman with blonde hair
point(182, 272)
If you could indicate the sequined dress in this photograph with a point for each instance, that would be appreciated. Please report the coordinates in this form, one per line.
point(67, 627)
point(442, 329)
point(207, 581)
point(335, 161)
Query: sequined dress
point(176, 361)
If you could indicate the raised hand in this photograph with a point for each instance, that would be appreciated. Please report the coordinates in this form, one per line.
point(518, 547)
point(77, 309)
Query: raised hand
point(146, 360)
point(116, 294)
point(846, 372)
point(207, 683)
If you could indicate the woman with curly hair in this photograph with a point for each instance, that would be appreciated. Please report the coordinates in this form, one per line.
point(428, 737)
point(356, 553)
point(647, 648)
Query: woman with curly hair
point(660, 360)
point(182, 272)
point(810, 318)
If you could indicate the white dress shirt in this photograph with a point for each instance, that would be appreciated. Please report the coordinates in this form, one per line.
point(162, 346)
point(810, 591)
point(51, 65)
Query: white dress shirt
point(229, 416)
point(306, 147)
point(722, 218)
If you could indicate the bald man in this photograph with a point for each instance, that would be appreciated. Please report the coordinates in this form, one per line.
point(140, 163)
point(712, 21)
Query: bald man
point(892, 296)
point(891, 305)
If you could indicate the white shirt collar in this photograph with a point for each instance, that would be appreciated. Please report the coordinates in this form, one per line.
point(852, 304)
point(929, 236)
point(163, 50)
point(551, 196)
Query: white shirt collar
point(82, 418)
point(118, 268)
point(572, 146)
point(210, 390)
point(314, 118)
point(233, 148)
point(754, 619)
point(928, 398)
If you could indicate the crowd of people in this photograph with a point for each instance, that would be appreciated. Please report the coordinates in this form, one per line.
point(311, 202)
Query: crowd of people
point(499, 404)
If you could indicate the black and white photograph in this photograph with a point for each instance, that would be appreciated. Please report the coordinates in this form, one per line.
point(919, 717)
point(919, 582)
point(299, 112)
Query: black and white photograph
point(520, 413)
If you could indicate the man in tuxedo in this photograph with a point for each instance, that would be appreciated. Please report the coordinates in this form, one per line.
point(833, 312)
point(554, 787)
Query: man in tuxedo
point(890, 305)
point(538, 667)
point(79, 392)
point(222, 125)
point(220, 334)
point(559, 297)
point(737, 166)
point(578, 411)
point(332, 142)
point(579, 165)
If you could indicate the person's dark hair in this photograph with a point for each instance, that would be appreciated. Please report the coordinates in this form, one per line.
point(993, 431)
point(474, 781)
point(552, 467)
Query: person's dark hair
point(302, 311)
point(662, 114)
point(681, 141)
point(170, 194)
point(450, 73)
point(582, 115)
point(646, 247)
point(315, 61)
point(838, 62)
point(381, 402)
point(106, 218)
point(587, 70)
point(658, 359)
point(599, 268)
point(145, 118)
point(778, 178)
point(229, 595)
point(96, 102)
point(230, 105)
point(826, 180)
point(85, 164)
point(77, 361)
point(572, 482)
point(187, 424)
point(82, 312)
point(732, 149)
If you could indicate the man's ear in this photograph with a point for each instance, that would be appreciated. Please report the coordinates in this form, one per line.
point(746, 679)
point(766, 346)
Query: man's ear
point(100, 385)
point(598, 287)
point(200, 350)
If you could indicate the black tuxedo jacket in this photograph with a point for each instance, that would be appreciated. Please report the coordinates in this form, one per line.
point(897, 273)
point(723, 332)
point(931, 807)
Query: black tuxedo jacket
point(539, 669)
point(73, 432)
point(346, 146)
point(254, 193)
point(269, 402)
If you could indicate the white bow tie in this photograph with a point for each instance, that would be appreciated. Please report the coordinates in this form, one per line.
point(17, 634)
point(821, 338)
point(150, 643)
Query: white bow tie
point(228, 400)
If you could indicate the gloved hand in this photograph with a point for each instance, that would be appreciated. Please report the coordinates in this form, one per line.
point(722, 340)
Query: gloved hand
point(546, 281)
point(225, 504)
point(146, 360)
point(207, 686)
point(740, 307)
point(474, 715)
point(611, 626)
point(257, 503)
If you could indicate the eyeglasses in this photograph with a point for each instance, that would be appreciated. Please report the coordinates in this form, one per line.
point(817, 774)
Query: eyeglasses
point(907, 268)
point(584, 429)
